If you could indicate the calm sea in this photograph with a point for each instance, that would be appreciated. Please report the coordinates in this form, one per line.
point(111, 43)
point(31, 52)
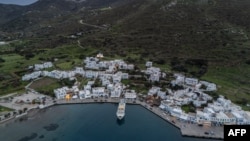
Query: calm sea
point(92, 122)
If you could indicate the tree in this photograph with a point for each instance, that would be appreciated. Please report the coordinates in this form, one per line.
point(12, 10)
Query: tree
point(20, 111)
point(2, 60)
point(25, 109)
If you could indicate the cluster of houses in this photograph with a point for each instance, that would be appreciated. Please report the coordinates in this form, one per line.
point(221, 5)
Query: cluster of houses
point(107, 72)
point(113, 90)
point(42, 66)
point(110, 66)
point(109, 75)
point(208, 111)
point(154, 73)
point(194, 82)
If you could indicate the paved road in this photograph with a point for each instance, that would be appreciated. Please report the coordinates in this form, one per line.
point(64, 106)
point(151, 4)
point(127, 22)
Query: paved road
point(91, 25)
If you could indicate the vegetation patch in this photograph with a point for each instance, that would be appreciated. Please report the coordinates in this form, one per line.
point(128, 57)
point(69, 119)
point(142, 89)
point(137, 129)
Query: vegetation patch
point(4, 109)
point(46, 86)
point(188, 108)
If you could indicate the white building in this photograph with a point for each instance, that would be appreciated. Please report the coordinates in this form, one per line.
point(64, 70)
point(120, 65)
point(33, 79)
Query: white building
point(99, 91)
point(154, 90)
point(31, 76)
point(162, 94)
point(209, 86)
point(149, 64)
point(43, 66)
point(155, 77)
point(117, 77)
point(117, 90)
point(99, 55)
point(87, 87)
point(176, 112)
point(191, 81)
point(130, 94)
point(60, 93)
point(79, 70)
point(91, 74)
point(131, 67)
point(110, 87)
point(125, 76)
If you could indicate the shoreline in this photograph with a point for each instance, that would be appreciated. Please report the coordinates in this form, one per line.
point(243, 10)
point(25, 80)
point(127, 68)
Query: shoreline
point(197, 132)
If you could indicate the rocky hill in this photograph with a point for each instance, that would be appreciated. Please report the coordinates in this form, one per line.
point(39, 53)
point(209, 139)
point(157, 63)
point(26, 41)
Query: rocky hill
point(202, 38)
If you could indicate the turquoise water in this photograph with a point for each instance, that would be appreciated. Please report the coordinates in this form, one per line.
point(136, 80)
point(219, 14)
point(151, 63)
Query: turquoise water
point(92, 122)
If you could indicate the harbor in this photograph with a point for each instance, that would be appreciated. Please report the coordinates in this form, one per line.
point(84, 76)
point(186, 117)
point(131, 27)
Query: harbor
point(186, 129)
point(95, 122)
point(213, 132)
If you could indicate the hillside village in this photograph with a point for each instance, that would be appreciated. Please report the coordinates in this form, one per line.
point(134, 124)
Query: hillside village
point(187, 92)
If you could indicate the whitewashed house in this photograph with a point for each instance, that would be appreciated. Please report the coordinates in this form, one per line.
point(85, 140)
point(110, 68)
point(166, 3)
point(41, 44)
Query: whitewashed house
point(161, 94)
point(81, 94)
point(90, 59)
point(75, 89)
point(149, 64)
point(180, 79)
point(117, 78)
point(123, 66)
point(99, 91)
point(111, 69)
point(47, 64)
point(176, 112)
point(91, 74)
point(79, 70)
point(222, 118)
point(163, 74)
point(131, 67)
point(110, 87)
point(43, 66)
point(45, 73)
point(117, 91)
point(191, 81)
point(199, 103)
point(167, 105)
point(64, 74)
point(239, 119)
point(130, 94)
point(155, 77)
point(154, 90)
point(99, 55)
point(60, 93)
point(209, 86)
point(125, 76)
point(92, 65)
point(105, 82)
point(87, 87)
point(103, 65)
point(56, 74)
point(152, 70)
point(31, 76)
point(91, 83)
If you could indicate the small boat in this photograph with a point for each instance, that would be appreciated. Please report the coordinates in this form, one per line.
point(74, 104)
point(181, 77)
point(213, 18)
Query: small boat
point(121, 109)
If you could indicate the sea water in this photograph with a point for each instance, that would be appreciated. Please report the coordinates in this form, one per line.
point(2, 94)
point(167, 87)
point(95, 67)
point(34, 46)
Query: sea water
point(92, 122)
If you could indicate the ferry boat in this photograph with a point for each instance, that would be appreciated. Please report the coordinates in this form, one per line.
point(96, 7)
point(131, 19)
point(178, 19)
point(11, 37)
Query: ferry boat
point(121, 109)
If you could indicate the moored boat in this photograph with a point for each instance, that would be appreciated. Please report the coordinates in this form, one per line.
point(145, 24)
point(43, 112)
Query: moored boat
point(121, 109)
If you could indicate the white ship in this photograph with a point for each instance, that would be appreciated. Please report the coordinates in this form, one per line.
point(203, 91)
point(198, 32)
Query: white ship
point(121, 109)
